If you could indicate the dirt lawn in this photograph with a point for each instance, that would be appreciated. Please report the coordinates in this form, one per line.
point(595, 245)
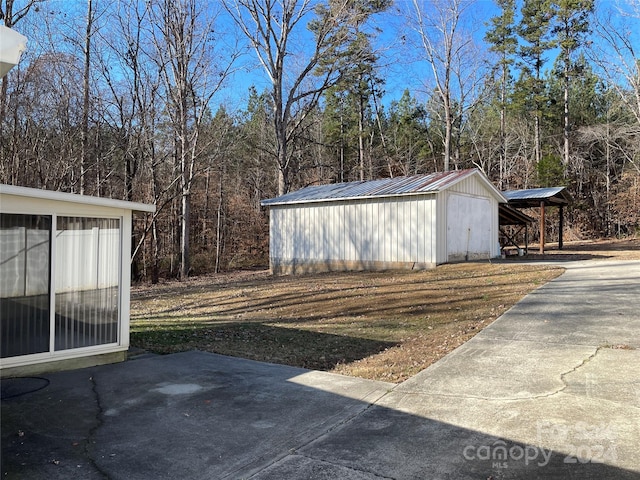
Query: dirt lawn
point(385, 326)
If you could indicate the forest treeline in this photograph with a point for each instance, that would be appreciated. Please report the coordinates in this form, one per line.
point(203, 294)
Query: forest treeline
point(129, 99)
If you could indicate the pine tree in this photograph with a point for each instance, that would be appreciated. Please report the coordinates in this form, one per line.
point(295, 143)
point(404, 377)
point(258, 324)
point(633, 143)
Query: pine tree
point(358, 81)
point(570, 27)
point(534, 29)
point(501, 36)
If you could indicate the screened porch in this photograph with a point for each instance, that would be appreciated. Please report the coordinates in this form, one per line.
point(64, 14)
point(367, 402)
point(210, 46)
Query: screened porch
point(64, 275)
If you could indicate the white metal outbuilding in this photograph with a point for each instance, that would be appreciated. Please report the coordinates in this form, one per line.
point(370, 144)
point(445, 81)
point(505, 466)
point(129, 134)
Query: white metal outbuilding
point(414, 222)
point(65, 268)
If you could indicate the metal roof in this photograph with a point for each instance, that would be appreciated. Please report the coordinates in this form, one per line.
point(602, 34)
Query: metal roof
point(387, 187)
point(533, 196)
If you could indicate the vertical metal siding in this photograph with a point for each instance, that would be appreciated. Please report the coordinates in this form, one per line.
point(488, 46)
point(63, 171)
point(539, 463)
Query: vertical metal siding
point(441, 227)
point(470, 186)
point(402, 229)
point(389, 230)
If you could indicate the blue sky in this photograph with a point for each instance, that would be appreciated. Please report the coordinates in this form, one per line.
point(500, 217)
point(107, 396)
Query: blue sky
point(400, 62)
point(399, 65)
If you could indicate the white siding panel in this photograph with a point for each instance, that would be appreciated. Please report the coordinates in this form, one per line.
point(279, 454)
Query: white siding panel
point(385, 225)
point(382, 220)
point(301, 241)
point(323, 233)
point(390, 233)
point(279, 225)
point(337, 233)
point(373, 230)
point(395, 232)
point(290, 233)
point(352, 232)
point(404, 240)
point(421, 238)
point(304, 242)
point(284, 231)
point(441, 227)
point(432, 233)
point(331, 241)
point(299, 224)
point(426, 233)
point(365, 234)
point(470, 186)
point(275, 228)
point(311, 232)
point(347, 246)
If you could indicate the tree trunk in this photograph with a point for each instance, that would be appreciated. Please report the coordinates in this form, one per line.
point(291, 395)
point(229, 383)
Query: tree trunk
point(566, 113)
point(219, 224)
point(205, 213)
point(85, 98)
point(185, 196)
point(184, 234)
point(448, 127)
point(361, 137)
point(503, 125)
point(537, 147)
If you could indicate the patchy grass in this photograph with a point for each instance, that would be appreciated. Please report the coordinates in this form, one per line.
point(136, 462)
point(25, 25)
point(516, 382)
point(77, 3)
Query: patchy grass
point(385, 326)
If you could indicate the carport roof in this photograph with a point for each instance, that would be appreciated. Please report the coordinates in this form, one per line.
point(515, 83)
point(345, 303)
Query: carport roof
point(510, 216)
point(556, 196)
point(386, 187)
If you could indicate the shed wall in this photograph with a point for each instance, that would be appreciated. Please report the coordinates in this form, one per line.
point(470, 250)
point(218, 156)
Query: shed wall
point(449, 227)
point(394, 232)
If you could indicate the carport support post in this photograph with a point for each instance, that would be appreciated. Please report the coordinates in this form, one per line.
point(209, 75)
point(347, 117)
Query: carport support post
point(561, 227)
point(542, 227)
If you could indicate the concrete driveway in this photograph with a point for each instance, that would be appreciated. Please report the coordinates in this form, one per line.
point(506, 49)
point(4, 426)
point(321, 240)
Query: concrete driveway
point(549, 390)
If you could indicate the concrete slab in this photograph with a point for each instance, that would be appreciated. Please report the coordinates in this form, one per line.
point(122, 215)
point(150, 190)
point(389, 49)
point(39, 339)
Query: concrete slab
point(488, 368)
point(549, 390)
point(189, 415)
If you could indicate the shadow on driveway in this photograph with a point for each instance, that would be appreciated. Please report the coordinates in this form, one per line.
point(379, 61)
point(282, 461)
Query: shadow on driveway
point(198, 415)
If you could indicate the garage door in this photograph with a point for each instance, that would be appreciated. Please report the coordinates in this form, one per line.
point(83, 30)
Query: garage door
point(468, 228)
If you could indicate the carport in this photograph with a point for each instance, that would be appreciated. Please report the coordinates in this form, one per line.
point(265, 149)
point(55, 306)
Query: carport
point(541, 197)
point(510, 217)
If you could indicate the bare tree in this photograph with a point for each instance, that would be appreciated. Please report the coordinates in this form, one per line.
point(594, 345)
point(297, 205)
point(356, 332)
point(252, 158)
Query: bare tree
point(10, 17)
point(298, 74)
point(571, 27)
point(618, 51)
point(86, 76)
point(183, 33)
point(446, 40)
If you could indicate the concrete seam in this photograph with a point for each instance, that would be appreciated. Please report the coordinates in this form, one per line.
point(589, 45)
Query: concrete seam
point(345, 466)
point(294, 450)
point(92, 432)
point(341, 423)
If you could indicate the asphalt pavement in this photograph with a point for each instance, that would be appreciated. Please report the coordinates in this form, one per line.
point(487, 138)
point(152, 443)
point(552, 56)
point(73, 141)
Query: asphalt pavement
point(549, 390)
